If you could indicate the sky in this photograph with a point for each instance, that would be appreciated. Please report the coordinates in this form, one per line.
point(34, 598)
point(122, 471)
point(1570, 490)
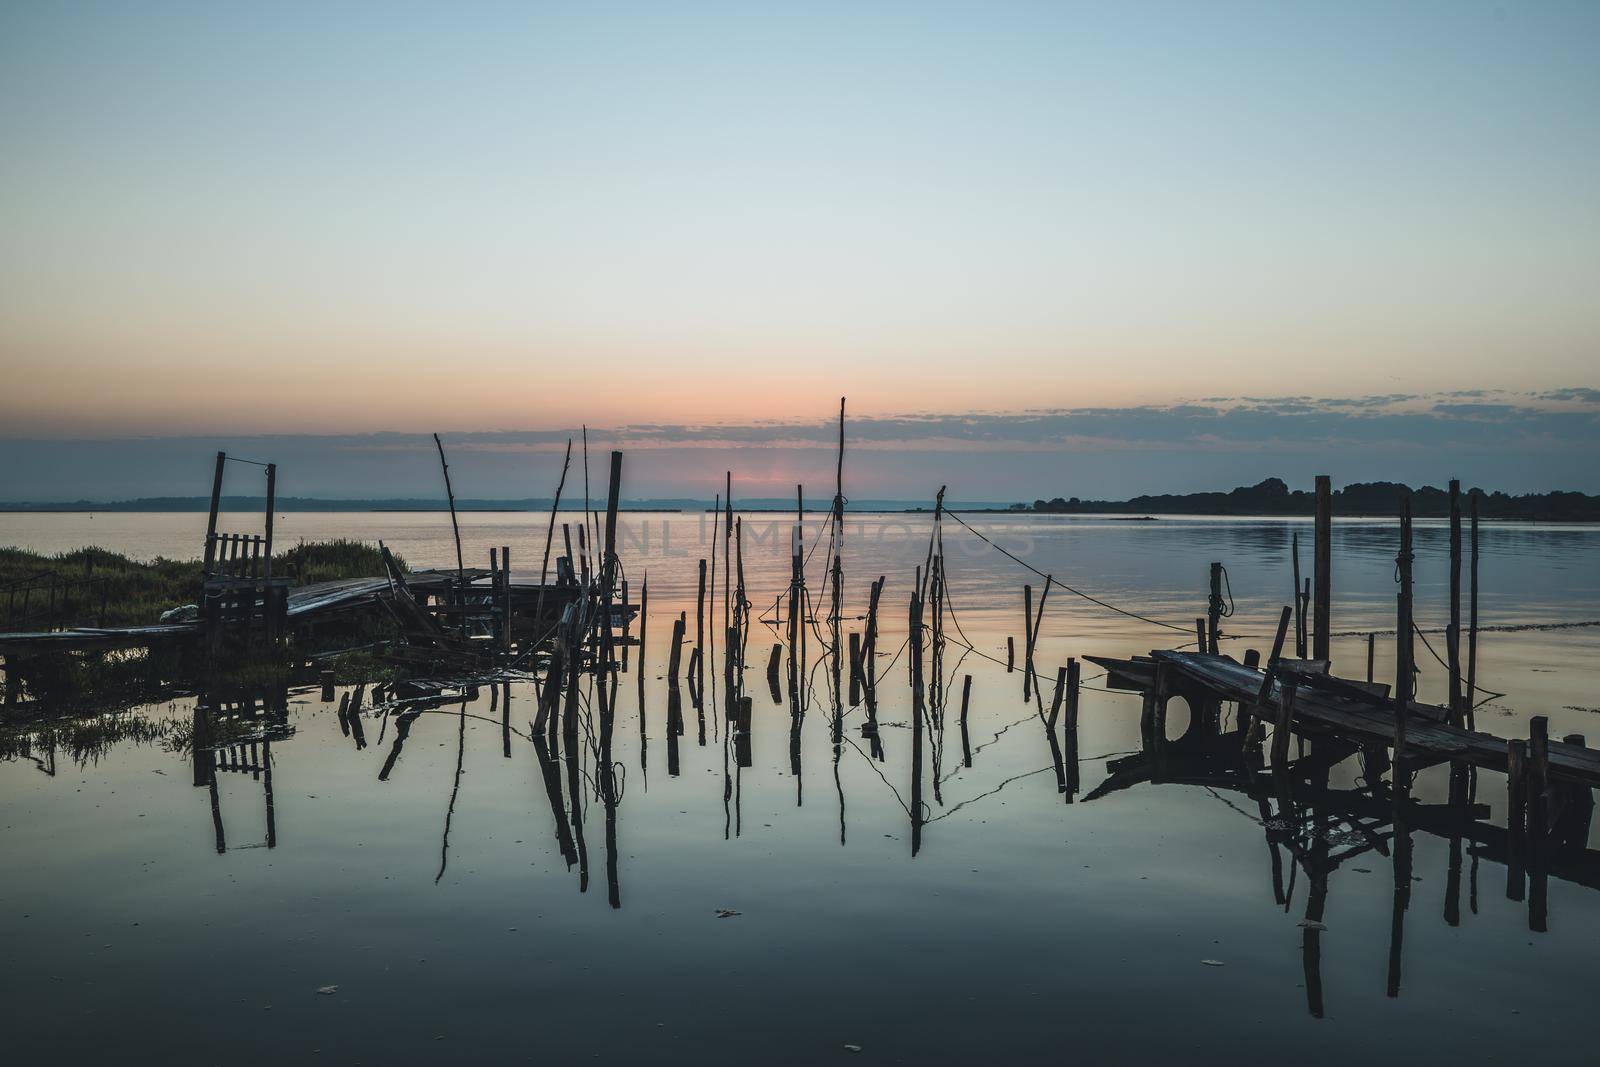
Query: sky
point(314, 226)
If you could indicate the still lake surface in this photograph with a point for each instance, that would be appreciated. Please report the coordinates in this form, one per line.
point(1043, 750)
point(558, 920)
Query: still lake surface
point(1141, 925)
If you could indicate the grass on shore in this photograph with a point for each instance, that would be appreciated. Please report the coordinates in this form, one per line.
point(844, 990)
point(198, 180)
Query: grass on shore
point(94, 587)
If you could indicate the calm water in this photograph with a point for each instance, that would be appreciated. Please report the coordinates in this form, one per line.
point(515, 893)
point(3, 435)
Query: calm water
point(1027, 929)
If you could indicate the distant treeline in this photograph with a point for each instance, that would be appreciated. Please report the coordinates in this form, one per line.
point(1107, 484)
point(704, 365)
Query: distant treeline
point(1274, 497)
point(296, 503)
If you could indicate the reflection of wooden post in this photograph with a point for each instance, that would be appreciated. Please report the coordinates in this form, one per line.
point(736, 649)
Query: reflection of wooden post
point(966, 698)
point(1069, 752)
point(1538, 819)
point(1516, 816)
point(916, 725)
point(1322, 565)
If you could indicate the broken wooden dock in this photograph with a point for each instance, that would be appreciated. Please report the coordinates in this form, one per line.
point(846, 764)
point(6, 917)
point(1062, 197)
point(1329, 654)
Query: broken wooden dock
point(1334, 707)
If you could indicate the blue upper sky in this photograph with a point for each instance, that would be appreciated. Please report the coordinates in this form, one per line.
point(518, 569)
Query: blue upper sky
point(314, 218)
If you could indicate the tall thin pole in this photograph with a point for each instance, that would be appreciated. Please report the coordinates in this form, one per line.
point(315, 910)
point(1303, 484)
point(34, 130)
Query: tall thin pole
point(272, 503)
point(549, 536)
point(455, 526)
point(1452, 637)
point(216, 502)
point(1322, 566)
point(1404, 647)
point(1472, 624)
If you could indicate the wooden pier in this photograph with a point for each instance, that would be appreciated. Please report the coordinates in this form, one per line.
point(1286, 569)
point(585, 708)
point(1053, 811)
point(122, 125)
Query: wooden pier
point(1329, 706)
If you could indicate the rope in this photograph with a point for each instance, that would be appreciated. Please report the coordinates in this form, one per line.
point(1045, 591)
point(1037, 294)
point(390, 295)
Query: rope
point(1068, 588)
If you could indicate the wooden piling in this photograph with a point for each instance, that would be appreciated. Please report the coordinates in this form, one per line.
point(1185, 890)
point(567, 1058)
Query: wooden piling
point(1472, 625)
point(1209, 640)
point(1299, 603)
point(1452, 637)
point(700, 626)
point(855, 668)
point(326, 678)
point(455, 528)
point(1027, 640)
point(675, 654)
point(966, 699)
point(549, 536)
point(1404, 647)
point(1055, 701)
point(1323, 568)
point(1538, 821)
point(211, 521)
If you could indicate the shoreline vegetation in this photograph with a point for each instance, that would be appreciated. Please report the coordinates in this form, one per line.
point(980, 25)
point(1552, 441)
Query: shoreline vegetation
point(1271, 497)
point(94, 587)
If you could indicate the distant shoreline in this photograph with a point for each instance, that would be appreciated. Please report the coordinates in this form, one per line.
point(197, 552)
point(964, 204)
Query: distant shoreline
point(1271, 498)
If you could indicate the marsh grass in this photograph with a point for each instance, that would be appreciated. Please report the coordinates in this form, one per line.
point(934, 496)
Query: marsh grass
point(95, 587)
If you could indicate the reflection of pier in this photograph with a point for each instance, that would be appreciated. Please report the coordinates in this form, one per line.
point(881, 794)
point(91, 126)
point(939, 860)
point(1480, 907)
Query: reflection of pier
point(233, 734)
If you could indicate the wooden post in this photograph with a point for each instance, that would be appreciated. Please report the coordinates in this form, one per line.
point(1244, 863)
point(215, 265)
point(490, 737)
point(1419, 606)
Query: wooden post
point(327, 687)
point(272, 504)
point(1538, 779)
point(216, 502)
point(549, 536)
point(1027, 640)
point(1404, 647)
point(1252, 732)
point(1055, 701)
point(700, 627)
point(1452, 637)
point(1213, 634)
point(455, 528)
point(855, 668)
point(505, 592)
point(1472, 627)
point(1323, 565)
point(1299, 604)
point(1538, 821)
point(1372, 643)
point(869, 644)
point(1199, 634)
point(1011, 653)
point(675, 654)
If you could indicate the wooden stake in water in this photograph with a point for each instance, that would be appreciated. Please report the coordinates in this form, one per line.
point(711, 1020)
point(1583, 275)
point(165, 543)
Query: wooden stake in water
point(1452, 637)
point(455, 527)
point(1322, 567)
point(1404, 648)
point(1472, 626)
